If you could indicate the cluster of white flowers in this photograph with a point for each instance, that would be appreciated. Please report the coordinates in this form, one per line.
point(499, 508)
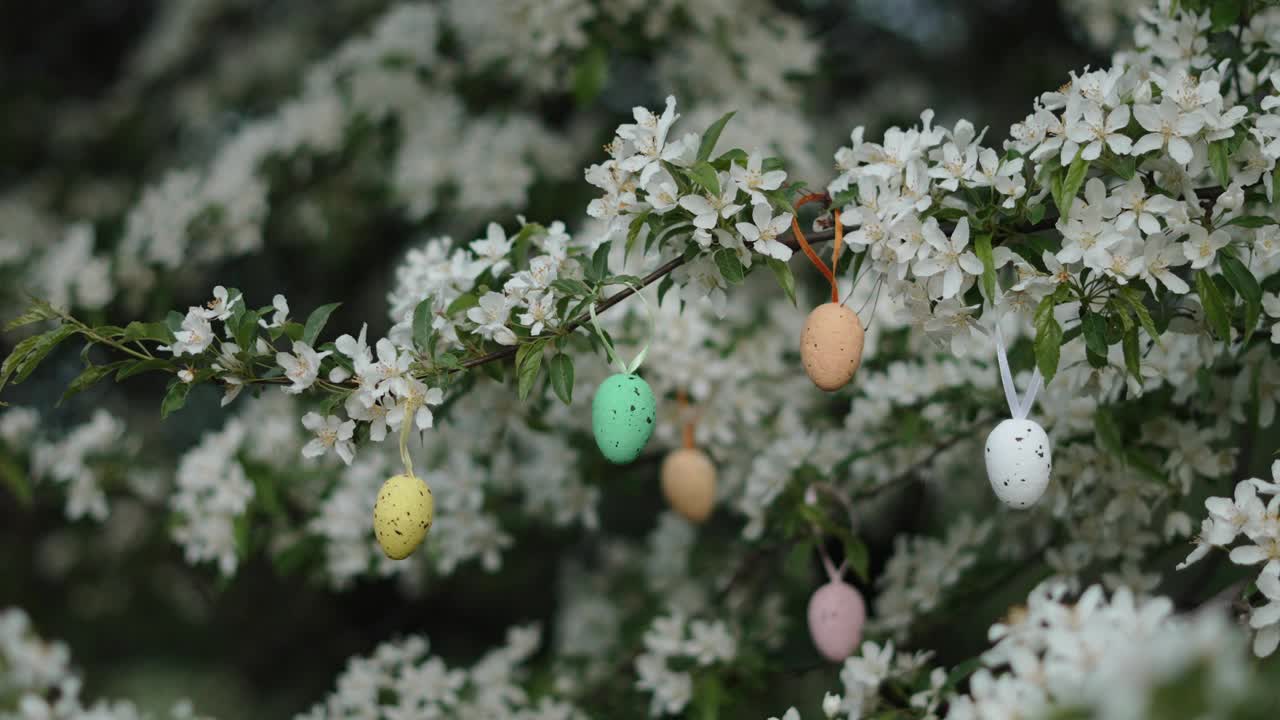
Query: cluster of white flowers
point(36, 677)
point(443, 272)
point(921, 569)
point(1259, 522)
point(402, 679)
point(69, 461)
point(862, 676)
point(636, 183)
point(1108, 657)
point(211, 496)
point(225, 203)
point(674, 636)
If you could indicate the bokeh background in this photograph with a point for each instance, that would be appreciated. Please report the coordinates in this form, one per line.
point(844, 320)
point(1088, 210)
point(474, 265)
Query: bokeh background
point(99, 99)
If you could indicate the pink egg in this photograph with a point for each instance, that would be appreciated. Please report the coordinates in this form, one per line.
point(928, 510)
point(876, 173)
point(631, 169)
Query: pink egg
point(836, 614)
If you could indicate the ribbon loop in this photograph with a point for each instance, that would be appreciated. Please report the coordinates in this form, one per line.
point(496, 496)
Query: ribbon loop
point(834, 573)
point(1019, 409)
point(608, 346)
point(827, 272)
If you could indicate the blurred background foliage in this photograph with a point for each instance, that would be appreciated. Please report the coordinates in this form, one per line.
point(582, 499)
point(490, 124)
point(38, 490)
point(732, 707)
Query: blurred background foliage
point(83, 128)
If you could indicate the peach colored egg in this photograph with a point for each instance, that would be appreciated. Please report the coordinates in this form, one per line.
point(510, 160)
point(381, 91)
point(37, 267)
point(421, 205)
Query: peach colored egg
point(689, 483)
point(831, 346)
point(836, 614)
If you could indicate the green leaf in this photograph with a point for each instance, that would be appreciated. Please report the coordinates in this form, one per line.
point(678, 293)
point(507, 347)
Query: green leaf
point(1108, 433)
point(1240, 278)
point(1071, 184)
point(561, 372)
point(633, 232)
point(1134, 299)
point(463, 302)
point(1250, 221)
point(1218, 161)
point(1094, 327)
point(1132, 359)
point(712, 136)
point(982, 248)
point(704, 176)
point(707, 697)
point(520, 243)
point(571, 287)
point(528, 363)
point(1048, 342)
point(34, 314)
point(855, 551)
point(246, 330)
point(1035, 214)
point(1247, 286)
point(1125, 166)
point(175, 398)
point(17, 480)
point(158, 332)
point(730, 267)
point(316, 322)
point(87, 379)
point(174, 320)
point(298, 555)
point(963, 670)
point(782, 272)
point(1223, 15)
point(590, 75)
point(730, 158)
point(599, 263)
point(28, 354)
point(422, 325)
point(630, 280)
point(135, 367)
point(666, 284)
point(1215, 310)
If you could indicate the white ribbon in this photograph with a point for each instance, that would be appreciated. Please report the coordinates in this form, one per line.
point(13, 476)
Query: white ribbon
point(1019, 409)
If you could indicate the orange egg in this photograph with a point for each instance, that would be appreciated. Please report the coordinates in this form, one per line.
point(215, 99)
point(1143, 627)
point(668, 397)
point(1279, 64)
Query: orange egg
point(689, 483)
point(831, 346)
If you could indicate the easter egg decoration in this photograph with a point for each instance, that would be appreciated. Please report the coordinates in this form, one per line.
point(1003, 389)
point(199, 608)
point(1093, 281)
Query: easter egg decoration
point(402, 515)
point(689, 476)
point(831, 346)
point(689, 483)
point(836, 615)
point(624, 411)
point(405, 509)
point(832, 337)
point(1018, 462)
point(1018, 455)
point(836, 610)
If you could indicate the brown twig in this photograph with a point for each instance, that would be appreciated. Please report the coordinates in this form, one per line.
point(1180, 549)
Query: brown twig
point(653, 277)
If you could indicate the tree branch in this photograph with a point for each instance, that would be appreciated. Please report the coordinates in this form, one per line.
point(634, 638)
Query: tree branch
point(659, 273)
point(1206, 195)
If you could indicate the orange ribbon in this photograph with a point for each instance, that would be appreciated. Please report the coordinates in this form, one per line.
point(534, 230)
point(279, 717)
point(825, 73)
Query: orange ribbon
point(827, 272)
point(687, 430)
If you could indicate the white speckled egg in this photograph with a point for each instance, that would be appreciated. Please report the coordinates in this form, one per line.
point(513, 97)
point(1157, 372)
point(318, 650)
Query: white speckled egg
point(1018, 462)
point(836, 615)
point(831, 346)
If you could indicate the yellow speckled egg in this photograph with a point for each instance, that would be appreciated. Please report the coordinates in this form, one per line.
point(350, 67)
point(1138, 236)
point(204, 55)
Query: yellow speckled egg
point(689, 483)
point(831, 346)
point(402, 515)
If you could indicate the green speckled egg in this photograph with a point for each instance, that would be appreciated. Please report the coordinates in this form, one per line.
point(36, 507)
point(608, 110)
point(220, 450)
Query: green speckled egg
point(623, 414)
